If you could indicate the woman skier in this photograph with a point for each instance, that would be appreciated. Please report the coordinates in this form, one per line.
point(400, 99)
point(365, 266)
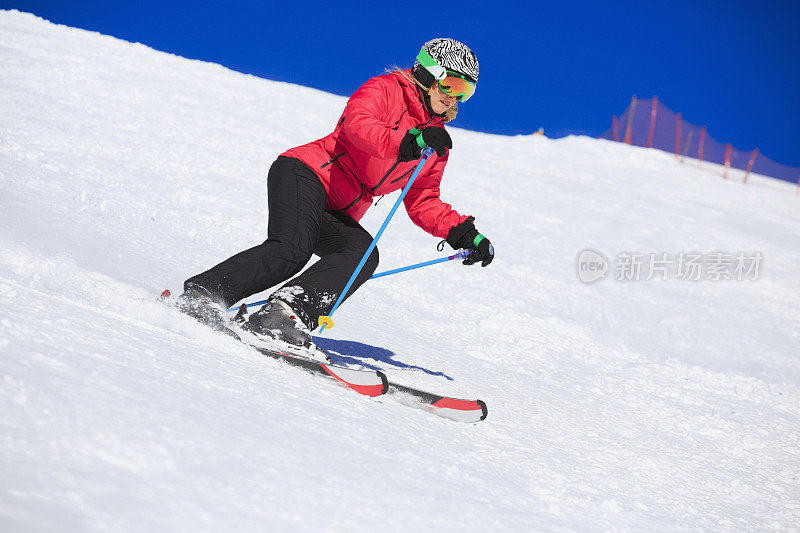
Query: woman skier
point(318, 192)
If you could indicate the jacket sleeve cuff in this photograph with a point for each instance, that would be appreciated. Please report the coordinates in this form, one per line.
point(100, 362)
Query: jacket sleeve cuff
point(456, 235)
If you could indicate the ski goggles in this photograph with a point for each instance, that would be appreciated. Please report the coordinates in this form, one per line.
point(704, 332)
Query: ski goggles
point(451, 83)
point(455, 84)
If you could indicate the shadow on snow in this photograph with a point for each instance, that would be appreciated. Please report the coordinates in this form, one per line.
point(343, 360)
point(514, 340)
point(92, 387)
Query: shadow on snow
point(356, 352)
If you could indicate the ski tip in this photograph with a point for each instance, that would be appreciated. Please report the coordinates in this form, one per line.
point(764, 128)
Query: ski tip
point(460, 410)
point(385, 381)
point(360, 381)
point(484, 409)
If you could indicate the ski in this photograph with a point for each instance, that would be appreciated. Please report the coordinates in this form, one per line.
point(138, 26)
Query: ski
point(367, 382)
point(374, 383)
point(444, 406)
point(363, 381)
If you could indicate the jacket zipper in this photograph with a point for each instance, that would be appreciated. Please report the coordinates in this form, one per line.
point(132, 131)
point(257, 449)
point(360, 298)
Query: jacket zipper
point(333, 159)
point(351, 204)
point(409, 171)
point(386, 176)
point(397, 124)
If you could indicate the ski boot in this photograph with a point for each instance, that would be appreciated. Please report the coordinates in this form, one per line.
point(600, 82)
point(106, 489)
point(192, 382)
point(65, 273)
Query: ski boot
point(280, 326)
point(198, 303)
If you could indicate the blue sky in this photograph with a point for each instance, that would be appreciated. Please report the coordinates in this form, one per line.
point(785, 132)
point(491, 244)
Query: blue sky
point(565, 66)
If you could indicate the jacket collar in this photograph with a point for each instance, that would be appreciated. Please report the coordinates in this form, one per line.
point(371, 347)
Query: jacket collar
point(417, 106)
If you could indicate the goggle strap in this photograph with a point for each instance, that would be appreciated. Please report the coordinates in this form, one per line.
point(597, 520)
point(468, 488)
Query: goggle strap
point(431, 65)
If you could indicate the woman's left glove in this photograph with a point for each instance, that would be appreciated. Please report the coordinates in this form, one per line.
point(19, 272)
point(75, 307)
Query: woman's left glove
point(415, 140)
point(466, 236)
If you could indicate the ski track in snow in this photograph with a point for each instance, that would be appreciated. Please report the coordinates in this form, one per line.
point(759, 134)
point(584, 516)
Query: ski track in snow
point(650, 405)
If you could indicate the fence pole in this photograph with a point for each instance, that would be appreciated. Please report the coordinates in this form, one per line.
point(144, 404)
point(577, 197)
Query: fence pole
point(700, 146)
point(631, 110)
point(727, 160)
point(750, 164)
point(653, 110)
point(678, 135)
point(614, 127)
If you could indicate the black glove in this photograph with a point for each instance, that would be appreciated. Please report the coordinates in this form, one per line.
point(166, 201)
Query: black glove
point(466, 236)
point(415, 140)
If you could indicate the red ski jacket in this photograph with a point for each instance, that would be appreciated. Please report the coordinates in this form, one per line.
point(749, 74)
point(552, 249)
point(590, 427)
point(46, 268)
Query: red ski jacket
point(359, 160)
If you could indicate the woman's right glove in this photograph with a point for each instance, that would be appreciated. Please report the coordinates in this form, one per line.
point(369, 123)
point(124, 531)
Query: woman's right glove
point(466, 236)
point(415, 140)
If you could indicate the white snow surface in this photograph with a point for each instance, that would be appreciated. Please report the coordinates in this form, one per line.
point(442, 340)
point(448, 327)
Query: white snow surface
point(638, 405)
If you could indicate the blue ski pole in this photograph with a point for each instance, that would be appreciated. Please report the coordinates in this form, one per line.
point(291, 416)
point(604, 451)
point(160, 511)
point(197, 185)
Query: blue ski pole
point(327, 321)
point(462, 254)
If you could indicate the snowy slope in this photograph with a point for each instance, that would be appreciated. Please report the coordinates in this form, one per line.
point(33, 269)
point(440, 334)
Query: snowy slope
point(649, 405)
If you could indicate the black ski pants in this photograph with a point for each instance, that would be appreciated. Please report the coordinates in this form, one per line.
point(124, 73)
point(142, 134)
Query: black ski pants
point(299, 226)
